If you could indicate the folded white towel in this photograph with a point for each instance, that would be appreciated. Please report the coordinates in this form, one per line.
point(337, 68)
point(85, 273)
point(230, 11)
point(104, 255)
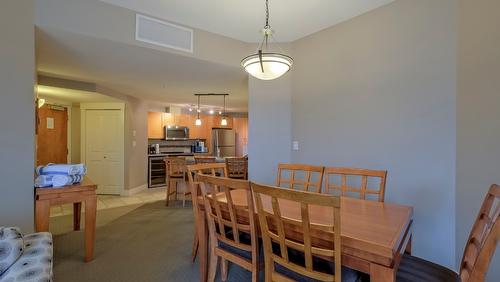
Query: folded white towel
point(62, 169)
point(57, 180)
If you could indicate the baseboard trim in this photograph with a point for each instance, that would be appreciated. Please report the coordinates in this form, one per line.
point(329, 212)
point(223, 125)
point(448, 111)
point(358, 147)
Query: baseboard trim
point(135, 190)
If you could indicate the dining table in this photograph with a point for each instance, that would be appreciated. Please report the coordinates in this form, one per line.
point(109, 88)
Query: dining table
point(374, 234)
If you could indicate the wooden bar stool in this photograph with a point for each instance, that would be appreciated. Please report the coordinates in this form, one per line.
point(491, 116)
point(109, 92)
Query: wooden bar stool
point(176, 173)
point(237, 167)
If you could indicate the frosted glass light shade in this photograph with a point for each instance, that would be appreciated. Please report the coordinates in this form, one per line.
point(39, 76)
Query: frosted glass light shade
point(223, 121)
point(274, 65)
point(197, 122)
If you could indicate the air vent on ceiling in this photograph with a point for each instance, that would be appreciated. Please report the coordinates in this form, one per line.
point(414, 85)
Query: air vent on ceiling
point(162, 33)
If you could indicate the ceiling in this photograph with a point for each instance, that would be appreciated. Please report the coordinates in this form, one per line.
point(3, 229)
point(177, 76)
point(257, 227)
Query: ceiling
point(243, 19)
point(145, 73)
point(71, 95)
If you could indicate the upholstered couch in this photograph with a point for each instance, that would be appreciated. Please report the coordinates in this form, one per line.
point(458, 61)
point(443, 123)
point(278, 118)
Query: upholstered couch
point(25, 257)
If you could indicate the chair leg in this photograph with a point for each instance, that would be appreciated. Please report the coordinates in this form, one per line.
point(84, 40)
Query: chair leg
point(255, 271)
point(176, 190)
point(212, 265)
point(195, 246)
point(169, 184)
point(224, 269)
point(268, 268)
point(185, 193)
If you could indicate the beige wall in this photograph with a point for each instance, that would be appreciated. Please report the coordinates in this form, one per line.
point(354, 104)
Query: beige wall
point(269, 127)
point(75, 134)
point(17, 118)
point(478, 114)
point(378, 91)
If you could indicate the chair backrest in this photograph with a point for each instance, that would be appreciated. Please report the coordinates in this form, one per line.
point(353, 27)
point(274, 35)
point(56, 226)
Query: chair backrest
point(176, 166)
point(354, 182)
point(237, 167)
point(300, 177)
point(272, 224)
point(483, 239)
point(223, 222)
point(204, 159)
point(206, 168)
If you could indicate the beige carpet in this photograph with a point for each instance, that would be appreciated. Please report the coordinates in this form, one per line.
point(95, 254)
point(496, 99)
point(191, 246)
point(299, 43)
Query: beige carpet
point(149, 243)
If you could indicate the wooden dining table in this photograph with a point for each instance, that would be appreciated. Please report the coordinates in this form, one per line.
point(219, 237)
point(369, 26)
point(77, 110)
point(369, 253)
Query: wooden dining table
point(374, 234)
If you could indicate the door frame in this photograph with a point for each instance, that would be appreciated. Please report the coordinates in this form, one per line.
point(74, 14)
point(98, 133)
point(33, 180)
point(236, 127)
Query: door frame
point(83, 118)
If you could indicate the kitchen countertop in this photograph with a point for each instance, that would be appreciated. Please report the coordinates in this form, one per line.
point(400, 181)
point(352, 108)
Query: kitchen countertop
point(189, 158)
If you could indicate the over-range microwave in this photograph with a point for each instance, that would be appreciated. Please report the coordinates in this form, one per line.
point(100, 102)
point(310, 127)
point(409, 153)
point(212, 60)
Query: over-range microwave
point(174, 132)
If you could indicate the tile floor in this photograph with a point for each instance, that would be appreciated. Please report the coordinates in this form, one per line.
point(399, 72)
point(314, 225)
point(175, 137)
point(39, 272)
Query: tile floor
point(109, 201)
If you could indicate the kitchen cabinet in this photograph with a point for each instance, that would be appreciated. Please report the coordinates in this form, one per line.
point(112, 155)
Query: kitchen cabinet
point(155, 125)
point(158, 120)
point(240, 127)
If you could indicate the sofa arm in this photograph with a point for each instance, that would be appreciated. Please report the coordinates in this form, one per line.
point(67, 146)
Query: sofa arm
point(35, 264)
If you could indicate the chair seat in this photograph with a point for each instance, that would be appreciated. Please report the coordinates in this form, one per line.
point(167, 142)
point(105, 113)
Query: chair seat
point(319, 265)
point(244, 238)
point(417, 269)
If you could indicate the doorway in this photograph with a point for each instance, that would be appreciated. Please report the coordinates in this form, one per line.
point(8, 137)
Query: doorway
point(52, 140)
point(102, 146)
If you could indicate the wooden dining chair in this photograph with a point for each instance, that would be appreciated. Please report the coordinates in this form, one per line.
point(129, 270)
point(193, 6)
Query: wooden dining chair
point(297, 256)
point(479, 249)
point(300, 177)
point(354, 182)
point(231, 238)
point(176, 173)
point(204, 159)
point(192, 170)
point(237, 167)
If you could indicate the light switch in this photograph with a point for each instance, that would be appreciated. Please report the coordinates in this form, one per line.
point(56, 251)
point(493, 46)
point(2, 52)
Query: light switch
point(134, 143)
point(295, 145)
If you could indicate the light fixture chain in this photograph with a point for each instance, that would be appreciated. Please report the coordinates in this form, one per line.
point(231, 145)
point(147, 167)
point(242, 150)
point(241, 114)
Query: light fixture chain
point(267, 14)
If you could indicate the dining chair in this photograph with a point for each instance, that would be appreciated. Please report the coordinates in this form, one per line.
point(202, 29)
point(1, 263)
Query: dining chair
point(204, 159)
point(176, 173)
point(354, 182)
point(479, 249)
point(300, 177)
point(231, 238)
point(192, 171)
point(237, 167)
point(297, 256)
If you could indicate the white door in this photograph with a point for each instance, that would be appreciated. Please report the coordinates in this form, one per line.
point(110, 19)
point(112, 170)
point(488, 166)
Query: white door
point(104, 149)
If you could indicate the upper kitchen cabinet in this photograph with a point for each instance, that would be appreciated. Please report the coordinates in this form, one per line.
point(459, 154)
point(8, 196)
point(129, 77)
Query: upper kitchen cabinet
point(158, 120)
point(155, 125)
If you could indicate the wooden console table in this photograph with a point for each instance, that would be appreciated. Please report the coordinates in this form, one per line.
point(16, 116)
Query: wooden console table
point(77, 194)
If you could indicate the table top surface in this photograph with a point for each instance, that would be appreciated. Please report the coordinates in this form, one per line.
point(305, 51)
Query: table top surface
point(368, 225)
point(85, 185)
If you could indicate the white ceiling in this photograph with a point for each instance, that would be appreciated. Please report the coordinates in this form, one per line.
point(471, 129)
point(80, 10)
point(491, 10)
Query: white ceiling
point(243, 19)
point(145, 73)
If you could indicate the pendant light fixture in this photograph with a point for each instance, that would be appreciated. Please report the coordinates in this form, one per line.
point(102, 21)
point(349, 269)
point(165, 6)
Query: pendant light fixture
point(223, 121)
point(198, 120)
point(266, 65)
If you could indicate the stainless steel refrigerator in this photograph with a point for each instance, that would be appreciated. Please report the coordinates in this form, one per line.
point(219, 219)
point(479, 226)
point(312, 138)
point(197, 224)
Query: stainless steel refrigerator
point(223, 142)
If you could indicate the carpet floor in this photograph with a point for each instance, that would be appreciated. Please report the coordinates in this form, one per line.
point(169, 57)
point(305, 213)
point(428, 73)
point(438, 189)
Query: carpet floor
point(149, 243)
